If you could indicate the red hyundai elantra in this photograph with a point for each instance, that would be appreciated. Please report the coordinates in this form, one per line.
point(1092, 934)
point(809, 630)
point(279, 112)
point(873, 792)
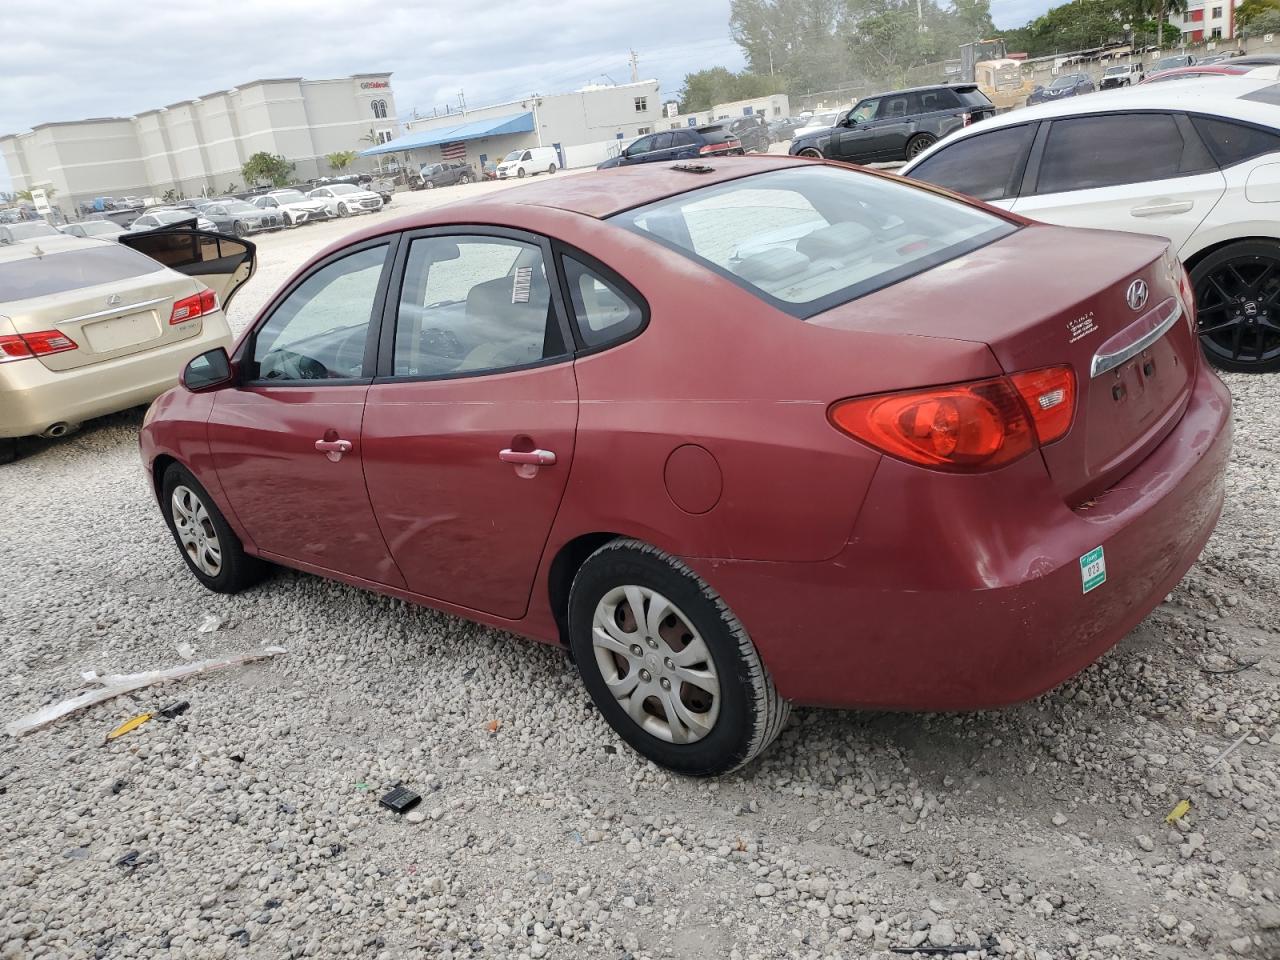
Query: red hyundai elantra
point(740, 434)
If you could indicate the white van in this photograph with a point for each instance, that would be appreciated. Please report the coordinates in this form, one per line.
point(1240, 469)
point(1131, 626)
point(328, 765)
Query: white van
point(525, 163)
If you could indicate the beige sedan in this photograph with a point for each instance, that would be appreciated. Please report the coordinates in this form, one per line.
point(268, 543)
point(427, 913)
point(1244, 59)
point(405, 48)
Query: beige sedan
point(90, 327)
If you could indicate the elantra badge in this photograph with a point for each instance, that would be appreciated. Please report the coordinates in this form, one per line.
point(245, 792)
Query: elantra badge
point(1137, 294)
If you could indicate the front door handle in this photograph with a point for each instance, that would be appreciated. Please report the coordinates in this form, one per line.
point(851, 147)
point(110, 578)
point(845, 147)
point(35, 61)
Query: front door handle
point(538, 458)
point(1163, 209)
point(334, 449)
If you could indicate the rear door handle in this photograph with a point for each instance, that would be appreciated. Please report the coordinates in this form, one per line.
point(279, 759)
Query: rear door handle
point(538, 458)
point(334, 449)
point(1163, 209)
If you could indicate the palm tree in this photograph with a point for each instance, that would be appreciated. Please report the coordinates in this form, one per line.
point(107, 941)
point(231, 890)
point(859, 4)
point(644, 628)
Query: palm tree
point(1168, 7)
point(27, 195)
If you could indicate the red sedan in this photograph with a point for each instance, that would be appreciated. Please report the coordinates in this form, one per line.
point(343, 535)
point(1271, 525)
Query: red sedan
point(739, 434)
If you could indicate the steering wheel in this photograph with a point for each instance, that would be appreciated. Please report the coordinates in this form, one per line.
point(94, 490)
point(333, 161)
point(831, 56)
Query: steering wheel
point(287, 365)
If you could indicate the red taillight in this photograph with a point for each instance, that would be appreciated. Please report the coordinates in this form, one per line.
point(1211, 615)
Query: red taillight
point(13, 348)
point(967, 118)
point(966, 426)
point(47, 342)
point(198, 304)
point(1050, 396)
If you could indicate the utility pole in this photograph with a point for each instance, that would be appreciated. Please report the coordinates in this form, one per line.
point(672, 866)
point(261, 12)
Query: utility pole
point(635, 67)
point(462, 101)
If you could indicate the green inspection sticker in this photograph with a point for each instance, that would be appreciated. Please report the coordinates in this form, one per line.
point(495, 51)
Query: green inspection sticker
point(1093, 569)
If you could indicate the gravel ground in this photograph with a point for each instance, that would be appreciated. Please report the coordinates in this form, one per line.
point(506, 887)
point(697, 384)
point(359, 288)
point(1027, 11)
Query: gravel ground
point(250, 825)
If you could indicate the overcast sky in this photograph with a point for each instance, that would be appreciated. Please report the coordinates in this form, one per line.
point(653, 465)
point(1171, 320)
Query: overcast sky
point(107, 58)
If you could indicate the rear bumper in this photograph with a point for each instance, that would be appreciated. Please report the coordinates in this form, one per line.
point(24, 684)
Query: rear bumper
point(33, 398)
point(954, 595)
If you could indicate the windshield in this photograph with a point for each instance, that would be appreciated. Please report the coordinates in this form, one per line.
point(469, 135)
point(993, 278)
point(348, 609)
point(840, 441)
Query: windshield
point(340, 188)
point(238, 206)
point(96, 227)
point(1115, 71)
point(174, 216)
point(808, 239)
point(287, 196)
point(1062, 82)
point(71, 270)
point(1169, 63)
point(513, 155)
point(34, 228)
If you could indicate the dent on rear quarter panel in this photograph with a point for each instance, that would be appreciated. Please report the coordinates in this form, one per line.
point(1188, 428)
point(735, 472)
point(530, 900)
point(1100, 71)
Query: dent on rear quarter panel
point(719, 368)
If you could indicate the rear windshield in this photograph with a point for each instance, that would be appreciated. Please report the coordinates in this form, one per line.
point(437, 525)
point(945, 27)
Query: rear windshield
point(806, 240)
point(71, 270)
point(30, 230)
point(973, 97)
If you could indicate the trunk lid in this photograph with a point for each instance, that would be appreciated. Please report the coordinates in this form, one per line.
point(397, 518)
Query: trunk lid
point(1046, 296)
point(109, 300)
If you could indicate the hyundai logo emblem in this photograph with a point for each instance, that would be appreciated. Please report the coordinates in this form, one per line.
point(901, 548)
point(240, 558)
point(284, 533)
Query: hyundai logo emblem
point(113, 300)
point(1137, 294)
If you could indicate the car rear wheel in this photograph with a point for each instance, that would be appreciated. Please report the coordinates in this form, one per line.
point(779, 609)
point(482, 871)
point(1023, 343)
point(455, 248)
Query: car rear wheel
point(811, 152)
point(1237, 291)
point(551, 169)
point(210, 547)
point(919, 144)
point(668, 664)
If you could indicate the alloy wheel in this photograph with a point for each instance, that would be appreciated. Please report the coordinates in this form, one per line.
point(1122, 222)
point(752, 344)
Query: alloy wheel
point(195, 531)
point(811, 153)
point(656, 664)
point(919, 145)
point(1238, 310)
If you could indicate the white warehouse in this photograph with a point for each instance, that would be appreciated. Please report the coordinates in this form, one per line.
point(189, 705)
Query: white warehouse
point(584, 127)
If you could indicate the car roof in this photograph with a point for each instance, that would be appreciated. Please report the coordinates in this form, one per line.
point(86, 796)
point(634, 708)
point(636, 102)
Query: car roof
point(602, 193)
point(1215, 95)
point(59, 243)
point(930, 86)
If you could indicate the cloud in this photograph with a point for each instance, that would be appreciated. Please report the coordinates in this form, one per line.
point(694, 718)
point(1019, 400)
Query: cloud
point(1008, 14)
point(113, 59)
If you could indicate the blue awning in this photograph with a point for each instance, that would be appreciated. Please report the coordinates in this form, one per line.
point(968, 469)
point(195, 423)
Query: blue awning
point(492, 127)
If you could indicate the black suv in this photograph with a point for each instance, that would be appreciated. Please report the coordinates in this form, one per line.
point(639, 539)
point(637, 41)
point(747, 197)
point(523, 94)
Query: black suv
point(713, 140)
point(444, 174)
point(898, 125)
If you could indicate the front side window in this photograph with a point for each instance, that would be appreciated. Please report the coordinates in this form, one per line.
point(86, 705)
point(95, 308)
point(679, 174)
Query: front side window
point(474, 304)
point(603, 311)
point(1104, 151)
point(986, 166)
point(320, 330)
point(863, 111)
point(810, 238)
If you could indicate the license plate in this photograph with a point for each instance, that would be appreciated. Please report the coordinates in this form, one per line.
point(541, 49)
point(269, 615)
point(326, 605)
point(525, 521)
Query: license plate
point(1093, 569)
point(120, 332)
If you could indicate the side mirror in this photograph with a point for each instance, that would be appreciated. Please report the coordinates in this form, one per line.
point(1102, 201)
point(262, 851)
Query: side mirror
point(209, 371)
point(1039, 88)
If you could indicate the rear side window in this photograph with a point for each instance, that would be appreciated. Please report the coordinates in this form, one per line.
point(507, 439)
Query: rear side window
point(71, 270)
point(1105, 151)
point(1232, 143)
point(810, 238)
point(987, 166)
point(973, 97)
point(603, 311)
point(716, 134)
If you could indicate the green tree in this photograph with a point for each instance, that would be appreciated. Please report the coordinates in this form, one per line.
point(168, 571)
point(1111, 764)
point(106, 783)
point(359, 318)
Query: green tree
point(27, 194)
point(1250, 10)
point(341, 160)
point(272, 168)
point(704, 89)
point(1268, 21)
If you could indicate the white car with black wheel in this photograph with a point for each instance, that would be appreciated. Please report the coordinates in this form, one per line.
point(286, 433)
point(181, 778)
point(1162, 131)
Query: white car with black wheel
point(346, 199)
point(294, 205)
point(1196, 161)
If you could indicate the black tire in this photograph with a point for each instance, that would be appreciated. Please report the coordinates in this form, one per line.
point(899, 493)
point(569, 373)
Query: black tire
point(919, 144)
point(238, 570)
point(813, 153)
point(520, 172)
point(239, 229)
point(750, 715)
point(1237, 290)
point(551, 169)
point(8, 449)
point(344, 210)
point(430, 185)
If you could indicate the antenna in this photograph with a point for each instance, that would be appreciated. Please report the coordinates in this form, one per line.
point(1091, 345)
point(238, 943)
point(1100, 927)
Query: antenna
point(635, 67)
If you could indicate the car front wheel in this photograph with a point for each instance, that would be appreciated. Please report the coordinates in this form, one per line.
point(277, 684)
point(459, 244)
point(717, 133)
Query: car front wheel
point(239, 229)
point(343, 210)
point(520, 173)
point(668, 664)
point(208, 544)
point(919, 144)
point(430, 185)
point(1237, 290)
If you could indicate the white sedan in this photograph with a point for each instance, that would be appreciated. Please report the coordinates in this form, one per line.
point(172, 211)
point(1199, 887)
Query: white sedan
point(345, 199)
point(294, 205)
point(1196, 161)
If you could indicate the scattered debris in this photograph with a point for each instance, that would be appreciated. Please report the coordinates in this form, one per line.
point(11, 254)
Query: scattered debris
point(173, 710)
point(1227, 752)
point(211, 623)
point(1178, 812)
point(129, 860)
point(186, 651)
point(133, 723)
point(1239, 667)
point(115, 684)
point(493, 726)
point(400, 799)
point(988, 943)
